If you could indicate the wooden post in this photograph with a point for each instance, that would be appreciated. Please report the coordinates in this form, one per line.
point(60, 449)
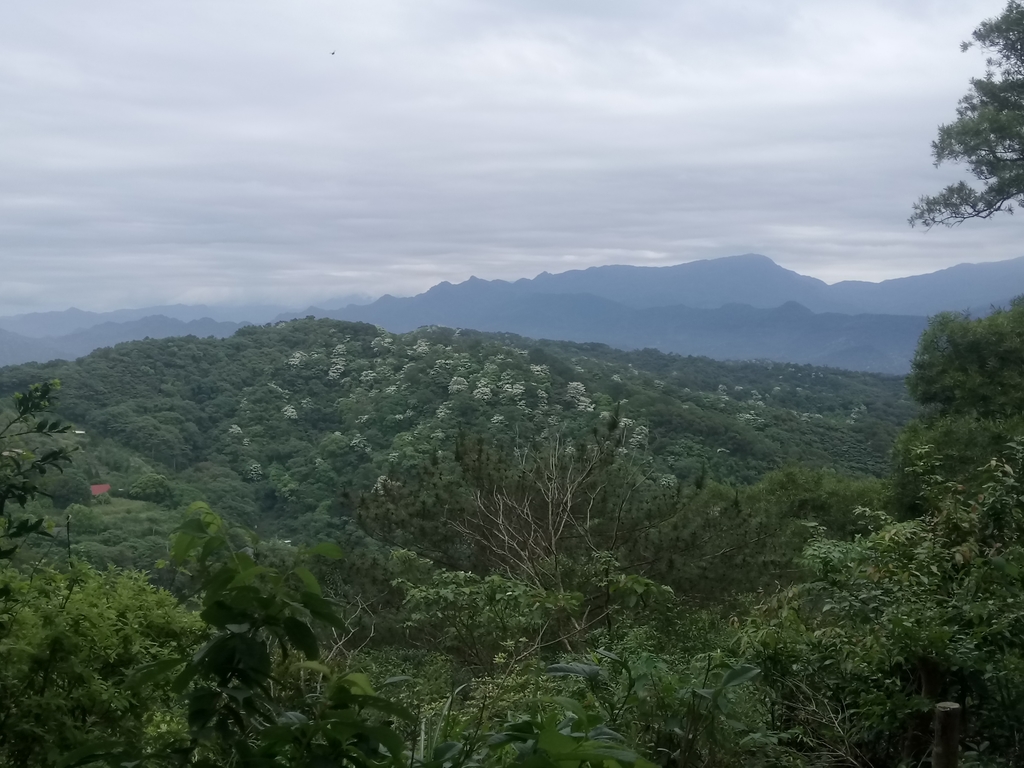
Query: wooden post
point(946, 749)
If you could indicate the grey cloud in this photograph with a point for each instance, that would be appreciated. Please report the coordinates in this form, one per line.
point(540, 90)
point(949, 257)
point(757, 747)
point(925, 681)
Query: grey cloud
point(195, 151)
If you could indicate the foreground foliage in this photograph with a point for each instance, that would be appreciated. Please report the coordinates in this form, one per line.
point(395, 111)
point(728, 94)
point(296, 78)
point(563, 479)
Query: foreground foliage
point(550, 598)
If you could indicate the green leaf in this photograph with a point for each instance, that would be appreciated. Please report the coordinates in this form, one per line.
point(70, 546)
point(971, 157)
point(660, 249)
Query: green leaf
point(220, 614)
point(587, 671)
point(301, 636)
point(314, 666)
point(308, 580)
point(327, 549)
point(570, 705)
point(248, 576)
point(391, 741)
point(739, 675)
point(555, 743)
point(90, 753)
point(446, 751)
point(358, 683)
point(153, 671)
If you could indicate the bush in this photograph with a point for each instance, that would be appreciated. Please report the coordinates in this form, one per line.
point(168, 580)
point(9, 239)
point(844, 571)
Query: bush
point(152, 487)
point(69, 488)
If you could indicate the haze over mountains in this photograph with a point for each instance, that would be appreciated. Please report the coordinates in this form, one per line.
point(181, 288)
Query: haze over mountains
point(759, 282)
point(739, 307)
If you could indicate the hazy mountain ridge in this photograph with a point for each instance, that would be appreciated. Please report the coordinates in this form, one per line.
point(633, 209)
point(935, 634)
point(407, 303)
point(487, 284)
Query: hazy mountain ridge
point(760, 282)
point(739, 307)
point(734, 308)
point(757, 281)
point(16, 349)
point(40, 325)
point(790, 333)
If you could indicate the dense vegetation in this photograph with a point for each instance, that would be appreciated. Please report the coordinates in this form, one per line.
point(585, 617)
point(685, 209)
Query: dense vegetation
point(510, 552)
point(284, 428)
point(535, 564)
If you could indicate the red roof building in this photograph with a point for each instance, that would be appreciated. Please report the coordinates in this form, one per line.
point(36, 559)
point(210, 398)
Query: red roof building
point(98, 489)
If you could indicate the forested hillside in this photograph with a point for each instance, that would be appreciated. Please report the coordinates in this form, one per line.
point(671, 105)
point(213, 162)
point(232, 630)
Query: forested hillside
point(281, 425)
point(564, 553)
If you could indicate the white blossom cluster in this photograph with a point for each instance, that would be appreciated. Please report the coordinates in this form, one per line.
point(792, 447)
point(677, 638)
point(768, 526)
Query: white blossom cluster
point(638, 440)
point(337, 369)
point(577, 392)
point(422, 347)
point(366, 378)
point(497, 419)
point(856, 413)
point(444, 411)
point(540, 370)
point(289, 412)
point(483, 390)
point(457, 384)
point(360, 443)
point(750, 419)
point(382, 344)
point(512, 391)
point(254, 472)
point(297, 360)
point(234, 429)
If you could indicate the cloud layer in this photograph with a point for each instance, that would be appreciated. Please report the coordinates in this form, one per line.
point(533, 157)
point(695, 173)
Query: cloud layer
point(219, 152)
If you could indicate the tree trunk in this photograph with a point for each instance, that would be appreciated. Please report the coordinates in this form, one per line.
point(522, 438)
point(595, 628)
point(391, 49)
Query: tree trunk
point(916, 742)
point(946, 749)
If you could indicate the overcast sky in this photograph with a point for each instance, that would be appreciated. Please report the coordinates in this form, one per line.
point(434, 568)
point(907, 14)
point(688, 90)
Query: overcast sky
point(201, 151)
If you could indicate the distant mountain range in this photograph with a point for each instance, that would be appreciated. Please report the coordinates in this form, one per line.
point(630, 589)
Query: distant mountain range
point(758, 282)
point(790, 333)
point(16, 348)
point(44, 324)
point(739, 307)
